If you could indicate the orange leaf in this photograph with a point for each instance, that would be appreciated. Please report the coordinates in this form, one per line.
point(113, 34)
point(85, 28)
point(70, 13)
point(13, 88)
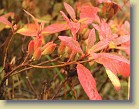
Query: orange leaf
point(71, 43)
point(29, 30)
point(57, 27)
point(5, 21)
point(88, 82)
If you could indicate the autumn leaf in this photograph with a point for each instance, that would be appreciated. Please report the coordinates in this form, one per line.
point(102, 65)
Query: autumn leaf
point(127, 46)
point(87, 82)
point(71, 43)
point(104, 29)
point(5, 21)
point(29, 30)
point(70, 10)
point(65, 17)
point(121, 39)
point(90, 12)
point(74, 26)
point(103, 43)
point(91, 38)
point(112, 62)
point(114, 79)
point(54, 28)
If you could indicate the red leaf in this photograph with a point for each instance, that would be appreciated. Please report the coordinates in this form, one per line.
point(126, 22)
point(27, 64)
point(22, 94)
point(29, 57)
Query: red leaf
point(29, 30)
point(103, 29)
point(117, 64)
point(91, 38)
point(90, 12)
point(65, 17)
point(127, 46)
point(70, 10)
point(121, 40)
point(71, 43)
point(57, 27)
point(103, 43)
point(74, 27)
point(5, 21)
point(88, 82)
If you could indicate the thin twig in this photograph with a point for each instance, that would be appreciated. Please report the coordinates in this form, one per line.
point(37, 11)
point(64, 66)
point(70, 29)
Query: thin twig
point(61, 65)
point(20, 66)
point(30, 84)
point(59, 89)
point(6, 50)
point(102, 86)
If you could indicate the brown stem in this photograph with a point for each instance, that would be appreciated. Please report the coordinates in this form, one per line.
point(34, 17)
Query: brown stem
point(20, 66)
point(59, 89)
point(102, 86)
point(30, 84)
point(6, 50)
point(61, 65)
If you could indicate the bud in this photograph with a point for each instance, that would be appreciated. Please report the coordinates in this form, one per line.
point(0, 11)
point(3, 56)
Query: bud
point(61, 48)
point(49, 49)
point(86, 34)
point(46, 45)
point(38, 42)
point(31, 47)
point(37, 54)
